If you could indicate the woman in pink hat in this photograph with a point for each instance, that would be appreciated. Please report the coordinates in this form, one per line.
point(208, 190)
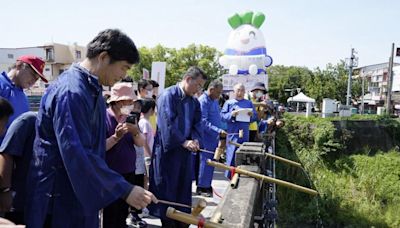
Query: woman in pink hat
point(122, 133)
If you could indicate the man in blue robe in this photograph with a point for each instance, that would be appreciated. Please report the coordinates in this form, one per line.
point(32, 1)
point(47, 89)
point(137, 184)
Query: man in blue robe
point(179, 131)
point(229, 112)
point(15, 157)
point(69, 181)
point(211, 118)
point(23, 75)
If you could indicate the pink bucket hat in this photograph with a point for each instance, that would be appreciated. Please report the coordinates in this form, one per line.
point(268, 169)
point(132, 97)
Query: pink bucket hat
point(122, 91)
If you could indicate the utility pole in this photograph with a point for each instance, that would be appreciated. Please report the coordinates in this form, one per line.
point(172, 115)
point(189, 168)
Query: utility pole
point(363, 94)
point(350, 65)
point(389, 85)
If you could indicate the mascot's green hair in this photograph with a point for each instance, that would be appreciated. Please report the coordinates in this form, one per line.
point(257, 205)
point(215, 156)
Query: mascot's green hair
point(246, 18)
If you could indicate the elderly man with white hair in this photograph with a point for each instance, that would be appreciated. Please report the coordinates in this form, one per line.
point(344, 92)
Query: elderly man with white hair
point(229, 113)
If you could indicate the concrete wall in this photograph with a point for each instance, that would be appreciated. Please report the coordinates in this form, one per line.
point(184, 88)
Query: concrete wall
point(370, 134)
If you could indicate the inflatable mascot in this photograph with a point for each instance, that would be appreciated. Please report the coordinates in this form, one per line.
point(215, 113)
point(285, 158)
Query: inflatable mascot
point(246, 52)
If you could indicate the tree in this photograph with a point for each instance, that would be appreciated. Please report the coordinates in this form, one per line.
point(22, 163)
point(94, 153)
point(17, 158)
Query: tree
point(318, 84)
point(178, 61)
point(283, 81)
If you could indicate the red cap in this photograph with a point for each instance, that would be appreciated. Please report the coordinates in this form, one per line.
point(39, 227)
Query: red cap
point(36, 63)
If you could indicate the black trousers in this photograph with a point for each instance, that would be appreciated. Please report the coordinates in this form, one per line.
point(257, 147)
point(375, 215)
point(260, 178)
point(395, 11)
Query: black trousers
point(252, 136)
point(138, 181)
point(173, 224)
point(114, 215)
point(16, 217)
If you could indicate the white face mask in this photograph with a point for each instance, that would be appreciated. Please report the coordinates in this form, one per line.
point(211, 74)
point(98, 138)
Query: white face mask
point(259, 94)
point(149, 94)
point(125, 110)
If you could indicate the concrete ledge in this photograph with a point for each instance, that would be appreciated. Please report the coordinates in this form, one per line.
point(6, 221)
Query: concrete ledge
point(238, 205)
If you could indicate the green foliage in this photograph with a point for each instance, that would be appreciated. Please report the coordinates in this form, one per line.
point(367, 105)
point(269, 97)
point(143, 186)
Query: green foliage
point(282, 78)
point(355, 190)
point(178, 61)
point(318, 84)
point(359, 117)
point(283, 81)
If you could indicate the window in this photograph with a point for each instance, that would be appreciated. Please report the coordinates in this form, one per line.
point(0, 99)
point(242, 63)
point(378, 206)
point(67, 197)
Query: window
point(374, 84)
point(78, 54)
point(49, 54)
point(10, 56)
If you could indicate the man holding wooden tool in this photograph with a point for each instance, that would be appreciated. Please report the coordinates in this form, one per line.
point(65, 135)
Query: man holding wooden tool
point(211, 118)
point(179, 131)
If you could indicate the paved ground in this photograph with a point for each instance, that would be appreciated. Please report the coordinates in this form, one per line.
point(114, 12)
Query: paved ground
point(219, 184)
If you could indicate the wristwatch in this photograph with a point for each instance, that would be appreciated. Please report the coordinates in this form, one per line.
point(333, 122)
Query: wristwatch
point(4, 190)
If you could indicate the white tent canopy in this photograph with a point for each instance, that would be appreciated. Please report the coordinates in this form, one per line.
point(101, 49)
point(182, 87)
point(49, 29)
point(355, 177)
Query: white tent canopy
point(301, 97)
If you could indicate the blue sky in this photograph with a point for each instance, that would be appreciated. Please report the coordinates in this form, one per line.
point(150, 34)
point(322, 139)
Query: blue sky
point(308, 33)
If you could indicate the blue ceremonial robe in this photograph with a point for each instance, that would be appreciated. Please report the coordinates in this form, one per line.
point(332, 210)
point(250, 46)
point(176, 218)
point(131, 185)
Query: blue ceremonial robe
point(234, 127)
point(68, 178)
point(178, 119)
point(211, 118)
point(15, 95)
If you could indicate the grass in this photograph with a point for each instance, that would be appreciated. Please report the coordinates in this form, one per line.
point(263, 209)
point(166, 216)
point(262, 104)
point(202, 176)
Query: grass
point(356, 189)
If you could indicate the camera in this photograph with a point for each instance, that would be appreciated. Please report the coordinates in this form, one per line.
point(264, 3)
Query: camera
point(133, 118)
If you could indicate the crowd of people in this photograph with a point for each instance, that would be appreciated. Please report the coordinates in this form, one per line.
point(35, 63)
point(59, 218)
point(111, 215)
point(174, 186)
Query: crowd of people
point(84, 153)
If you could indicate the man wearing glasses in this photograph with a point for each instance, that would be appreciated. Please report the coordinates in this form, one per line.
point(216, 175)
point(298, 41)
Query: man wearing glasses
point(179, 132)
point(24, 73)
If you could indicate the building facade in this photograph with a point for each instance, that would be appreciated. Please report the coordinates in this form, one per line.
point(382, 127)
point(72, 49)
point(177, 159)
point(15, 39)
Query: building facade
point(58, 57)
point(376, 78)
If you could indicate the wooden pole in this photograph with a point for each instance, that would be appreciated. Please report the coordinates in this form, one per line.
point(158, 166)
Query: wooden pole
point(190, 219)
point(206, 151)
point(217, 154)
point(263, 177)
point(221, 147)
point(174, 204)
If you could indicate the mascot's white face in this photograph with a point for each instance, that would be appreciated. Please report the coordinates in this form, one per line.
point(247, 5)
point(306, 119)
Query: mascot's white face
point(245, 38)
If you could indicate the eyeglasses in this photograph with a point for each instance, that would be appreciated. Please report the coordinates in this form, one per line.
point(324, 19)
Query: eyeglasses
point(199, 86)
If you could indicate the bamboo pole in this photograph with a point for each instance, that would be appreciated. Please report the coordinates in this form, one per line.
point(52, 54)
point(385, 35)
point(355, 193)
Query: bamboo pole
point(273, 156)
point(217, 217)
point(235, 143)
point(283, 160)
point(190, 219)
point(263, 177)
point(217, 154)
point(240, 133)
point(220, 148)
point(234, 180)
point(201, 204)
